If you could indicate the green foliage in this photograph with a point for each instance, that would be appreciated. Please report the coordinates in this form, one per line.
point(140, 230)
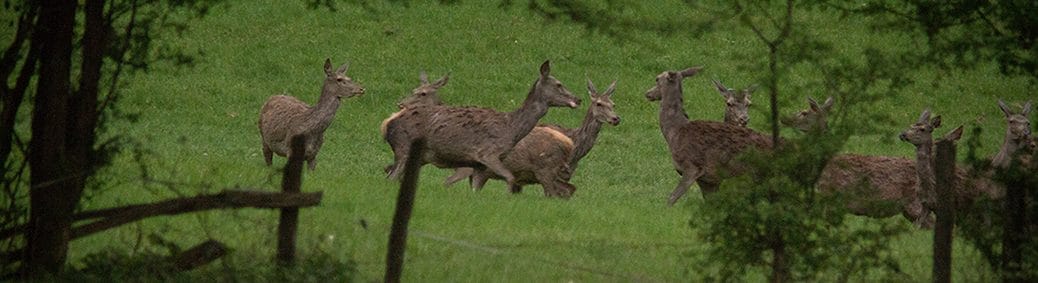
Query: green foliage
point(150, 263)
point(983, 224)
point(775, 202)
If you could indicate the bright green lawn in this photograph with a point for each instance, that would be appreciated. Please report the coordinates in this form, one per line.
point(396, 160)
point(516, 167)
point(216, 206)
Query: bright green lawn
point(198, 125)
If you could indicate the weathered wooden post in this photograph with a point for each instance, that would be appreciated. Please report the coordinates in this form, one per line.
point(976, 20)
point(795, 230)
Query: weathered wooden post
point(944, 171)
point(1014, 228)
point(290, 183)
point(404, 205)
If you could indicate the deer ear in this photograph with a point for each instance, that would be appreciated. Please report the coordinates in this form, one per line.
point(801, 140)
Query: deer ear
point(328, 67)
point(925, 117)
point(343, 68)
point(442, 81)
point(752, 88)
point(690, 71)
point(936, 122)
point(720, 87)
point(423, 77)
point(828, 104)
point(545, 69)
point(1027, 109)
point(954, 135)
point(591, 87)
point(609, 90)
point(813, 104)
point(1005, 109)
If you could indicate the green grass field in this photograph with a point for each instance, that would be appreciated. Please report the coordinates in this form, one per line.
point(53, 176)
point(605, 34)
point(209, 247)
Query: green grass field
point(198, 129)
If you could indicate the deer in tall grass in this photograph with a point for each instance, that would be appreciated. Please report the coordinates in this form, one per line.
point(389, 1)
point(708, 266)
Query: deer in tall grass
point(541, 155)
point(737, 104)
point(698, 148)
point(471, 136)
point(283, 117)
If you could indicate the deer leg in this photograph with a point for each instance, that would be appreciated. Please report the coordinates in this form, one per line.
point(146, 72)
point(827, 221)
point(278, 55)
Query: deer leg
point(478, 179)
point(311, 162)
point(686, 181)
point(400, 155)
point(459, 173)
point(494, 164)
point(268, 154)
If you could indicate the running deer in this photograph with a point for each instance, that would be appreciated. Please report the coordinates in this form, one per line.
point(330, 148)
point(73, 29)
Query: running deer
point(540, 155)
point(283, 116)
point(698, 148)
point(474, 137)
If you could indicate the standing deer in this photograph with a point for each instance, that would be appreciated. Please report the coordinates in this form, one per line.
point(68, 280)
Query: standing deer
point(698, 148)
point(534, 154)
point(474, 137)
point(874, 186)
point(283, 117)
point(737, 104)
point(920, 135)
point(1018, 130)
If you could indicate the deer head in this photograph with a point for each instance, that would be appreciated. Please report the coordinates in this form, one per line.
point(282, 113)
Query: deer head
point(424, 94)
point(921, 133)
point(553, 91)
point(1019, 127)
point(737, 103)
point(338, 84)
point(602, 104)
point(668, 82)
point(814, 118)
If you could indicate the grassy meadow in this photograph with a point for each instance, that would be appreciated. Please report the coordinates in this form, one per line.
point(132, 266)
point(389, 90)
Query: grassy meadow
point(197, 133)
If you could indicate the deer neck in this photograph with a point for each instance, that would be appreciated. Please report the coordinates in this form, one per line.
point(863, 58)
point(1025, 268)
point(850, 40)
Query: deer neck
point(585, 136)
point(731, 119)
point(321, 114)
point(1005, 153)
point(925, 169)
point(672, 112)
point(522, 120)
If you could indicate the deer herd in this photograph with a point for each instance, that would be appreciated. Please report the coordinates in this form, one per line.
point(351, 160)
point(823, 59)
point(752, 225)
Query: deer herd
point(481, 143)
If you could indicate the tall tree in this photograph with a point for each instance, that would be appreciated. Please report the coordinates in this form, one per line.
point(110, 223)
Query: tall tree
point(68, 105)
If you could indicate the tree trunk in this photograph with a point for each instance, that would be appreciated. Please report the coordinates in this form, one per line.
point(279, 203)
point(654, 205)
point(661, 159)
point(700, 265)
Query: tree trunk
point(55, 188)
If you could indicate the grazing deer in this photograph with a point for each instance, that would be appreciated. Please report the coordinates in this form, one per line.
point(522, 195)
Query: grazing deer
point(283, 117)
point(698, 148)
point(474, 137)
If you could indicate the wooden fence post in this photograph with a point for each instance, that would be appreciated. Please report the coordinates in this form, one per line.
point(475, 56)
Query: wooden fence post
point(404, 205)
point(289, 222)
point(944, 170)
point(1013, 230)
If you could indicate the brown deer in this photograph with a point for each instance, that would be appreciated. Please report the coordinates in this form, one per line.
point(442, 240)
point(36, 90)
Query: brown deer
point(283, 117)
point(1018, 130)
point(737, 104)
point(474, 137)
point(534, 154)
point(874, 186)
point(698, 148)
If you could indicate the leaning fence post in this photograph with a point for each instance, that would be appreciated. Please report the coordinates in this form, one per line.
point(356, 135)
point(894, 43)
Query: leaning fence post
point(944, 171)
point(289, 222)
point(404, 205)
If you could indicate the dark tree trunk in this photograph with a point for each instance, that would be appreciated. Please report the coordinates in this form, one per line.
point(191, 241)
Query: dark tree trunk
point(55, 187)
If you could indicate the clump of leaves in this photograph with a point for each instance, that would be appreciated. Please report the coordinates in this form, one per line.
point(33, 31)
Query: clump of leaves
point(773, 203)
